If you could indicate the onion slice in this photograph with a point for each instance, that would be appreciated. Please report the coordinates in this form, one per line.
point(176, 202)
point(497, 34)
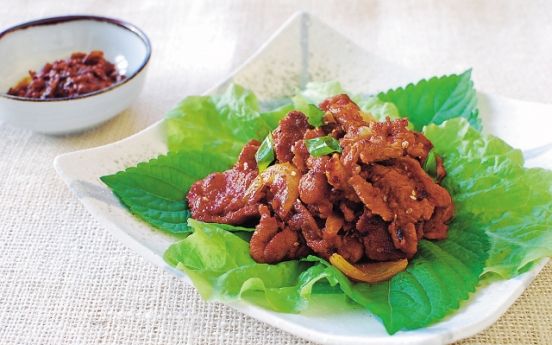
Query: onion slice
point(371, 273)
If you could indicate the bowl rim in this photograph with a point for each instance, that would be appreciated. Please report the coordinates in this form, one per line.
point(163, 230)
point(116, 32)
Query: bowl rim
point(73, 18)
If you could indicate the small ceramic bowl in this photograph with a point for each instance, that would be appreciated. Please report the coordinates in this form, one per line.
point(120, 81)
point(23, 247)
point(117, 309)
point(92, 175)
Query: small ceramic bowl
point(30, 46)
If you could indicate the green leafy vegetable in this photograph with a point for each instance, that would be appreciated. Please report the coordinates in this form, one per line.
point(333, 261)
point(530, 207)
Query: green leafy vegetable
point(322, 145)
point(156, 191)
point(442, 274)
point(272, 118)
point(486, 177)
point(219, 264)
point(430, 165)
point(436, 100)
point(220, 124)
point(234, 228)
point(265, 154)
point(314, 93)
point(378, 108)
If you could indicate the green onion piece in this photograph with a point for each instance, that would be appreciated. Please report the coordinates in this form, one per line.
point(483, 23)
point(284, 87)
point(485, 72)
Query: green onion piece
point(315, 116)
point(322, 146)
point(265, 153)
point(430, 165)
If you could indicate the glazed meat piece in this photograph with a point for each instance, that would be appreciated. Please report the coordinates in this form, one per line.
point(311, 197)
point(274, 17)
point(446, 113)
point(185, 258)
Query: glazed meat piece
point(411, 197)
point(291, 129)
point(392, 139)
point(314, 189)
point(435, 228)
point(378, 244)
point(345, 112)
point(220, 197)
point(273, 242)
point(326, 240)
point(373, 201)
point(441, 172)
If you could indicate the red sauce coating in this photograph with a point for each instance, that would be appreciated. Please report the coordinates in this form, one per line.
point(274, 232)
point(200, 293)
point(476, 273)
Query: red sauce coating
point(78, 75)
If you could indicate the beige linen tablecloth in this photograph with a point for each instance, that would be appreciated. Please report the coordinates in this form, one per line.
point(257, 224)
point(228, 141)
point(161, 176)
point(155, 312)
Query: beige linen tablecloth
point(65, 280)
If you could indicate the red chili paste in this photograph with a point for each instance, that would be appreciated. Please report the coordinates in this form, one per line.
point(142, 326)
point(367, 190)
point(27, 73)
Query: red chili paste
point(78, 75)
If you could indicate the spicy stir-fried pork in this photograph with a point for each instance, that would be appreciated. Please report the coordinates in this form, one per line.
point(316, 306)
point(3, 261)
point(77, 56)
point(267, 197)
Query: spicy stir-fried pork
point(372, 201)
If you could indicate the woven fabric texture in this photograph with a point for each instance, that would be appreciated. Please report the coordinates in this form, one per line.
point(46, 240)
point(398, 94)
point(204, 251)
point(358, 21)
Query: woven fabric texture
point(65, 280)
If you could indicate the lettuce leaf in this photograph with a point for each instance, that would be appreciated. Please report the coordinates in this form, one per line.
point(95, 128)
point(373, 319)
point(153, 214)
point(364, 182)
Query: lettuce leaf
point(221, 269)
point(220, 124)
point(314, 93)
point(379, 109)
point(442, 274)
point(486, 177)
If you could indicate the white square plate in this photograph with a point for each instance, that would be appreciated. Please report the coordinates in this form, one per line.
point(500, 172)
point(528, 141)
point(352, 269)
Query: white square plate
point(305, 49)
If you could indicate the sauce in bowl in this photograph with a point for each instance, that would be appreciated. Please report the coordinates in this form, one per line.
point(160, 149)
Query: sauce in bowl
point(78, 75)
